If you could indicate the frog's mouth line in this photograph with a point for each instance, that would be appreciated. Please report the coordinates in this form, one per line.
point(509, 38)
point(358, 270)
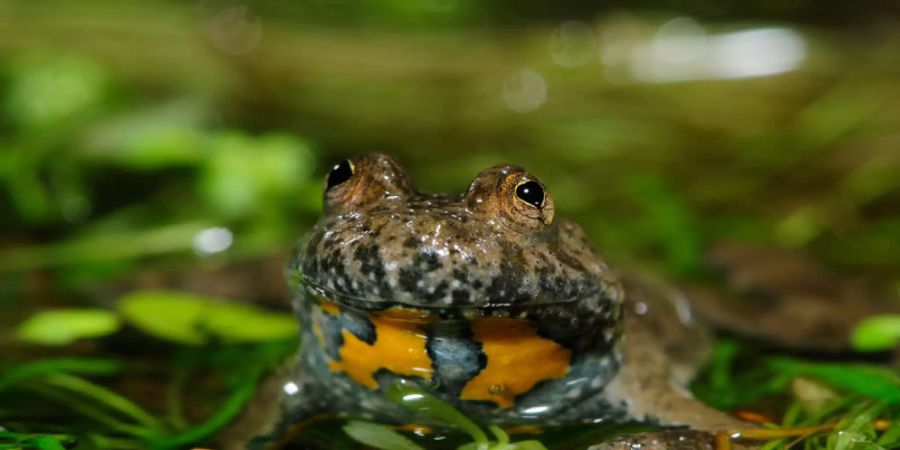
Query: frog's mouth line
point(360, 303)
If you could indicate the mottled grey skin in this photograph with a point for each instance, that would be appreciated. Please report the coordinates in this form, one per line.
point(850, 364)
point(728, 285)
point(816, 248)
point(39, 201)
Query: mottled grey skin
point(486, 253)
point(474, 251)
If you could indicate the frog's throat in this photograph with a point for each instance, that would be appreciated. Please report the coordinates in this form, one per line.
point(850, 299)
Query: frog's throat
point(511, 348)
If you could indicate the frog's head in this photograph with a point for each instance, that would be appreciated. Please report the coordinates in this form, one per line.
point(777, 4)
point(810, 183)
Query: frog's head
point(496, 247)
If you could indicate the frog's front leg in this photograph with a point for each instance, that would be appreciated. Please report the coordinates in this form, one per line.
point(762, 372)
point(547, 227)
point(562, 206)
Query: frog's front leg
point(661, 400)
point(660, 349)
point(649, 388)
point(651, 397)
point(668, 404)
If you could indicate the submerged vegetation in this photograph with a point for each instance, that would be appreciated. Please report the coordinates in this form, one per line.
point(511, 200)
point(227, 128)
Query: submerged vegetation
point(157, 161)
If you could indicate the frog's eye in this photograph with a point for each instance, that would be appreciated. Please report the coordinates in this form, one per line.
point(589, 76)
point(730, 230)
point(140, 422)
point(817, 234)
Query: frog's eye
point(531, 192)
point(512, 195)
point(365, 180)
point(340, 173)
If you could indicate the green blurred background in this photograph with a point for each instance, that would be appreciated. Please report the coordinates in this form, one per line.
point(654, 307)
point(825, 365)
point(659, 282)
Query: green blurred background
point(128, 128)
point(178, 143)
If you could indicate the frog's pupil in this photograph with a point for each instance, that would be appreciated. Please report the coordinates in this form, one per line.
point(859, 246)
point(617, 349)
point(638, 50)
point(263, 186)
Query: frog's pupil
point(532, 193)
point(340, 173)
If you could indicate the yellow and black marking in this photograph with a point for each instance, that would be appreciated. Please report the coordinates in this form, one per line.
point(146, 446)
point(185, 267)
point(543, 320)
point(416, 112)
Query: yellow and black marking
point(330, 307)
point(517, 360)
point(397, 345)
point(497, 360)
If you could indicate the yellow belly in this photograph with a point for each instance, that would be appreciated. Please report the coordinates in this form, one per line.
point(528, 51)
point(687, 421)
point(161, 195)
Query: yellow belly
point(517, 360)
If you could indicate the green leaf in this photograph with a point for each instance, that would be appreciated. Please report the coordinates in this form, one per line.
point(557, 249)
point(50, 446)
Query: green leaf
point(503, 443)
point(168, 135)
point(64, 326)
point(20, 441)
point(196, 319)
point(474, 446)
point(877, 333)
point(502, 437)
point(225, 413)
point(46, 443)
point(429, 405)
point(667, 221)
point(102, 396)
point(378, 436)
point(873, 382)
point(104, 246)
point(856, 430)
point(891, 437)
point(244, 174)
point(44, 367)
point(527, 445)
point(47, 89)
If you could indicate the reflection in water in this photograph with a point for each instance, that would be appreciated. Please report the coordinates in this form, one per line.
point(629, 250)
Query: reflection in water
point(682, 50)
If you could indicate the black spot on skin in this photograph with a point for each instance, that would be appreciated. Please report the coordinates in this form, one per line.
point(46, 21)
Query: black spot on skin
point(504, 288)
point(555, 284)
point(370, 261)
point(310, 261)
point(461, 275)
point(456, 358)
point(411, 242)
point(331, 265)
point(371, 264)
point(359, 326)
point(409, 282)
point(408, 279)
point(571, 261)
point(460, 296)
point(574, 326)
point(440, 291)
point(427, 262)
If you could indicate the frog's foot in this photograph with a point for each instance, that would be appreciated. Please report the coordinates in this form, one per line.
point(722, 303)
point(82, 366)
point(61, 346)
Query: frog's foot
point(681, 439)
point(662, 440)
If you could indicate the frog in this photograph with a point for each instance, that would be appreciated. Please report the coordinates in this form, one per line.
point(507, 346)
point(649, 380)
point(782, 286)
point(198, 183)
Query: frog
point(490, 302)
